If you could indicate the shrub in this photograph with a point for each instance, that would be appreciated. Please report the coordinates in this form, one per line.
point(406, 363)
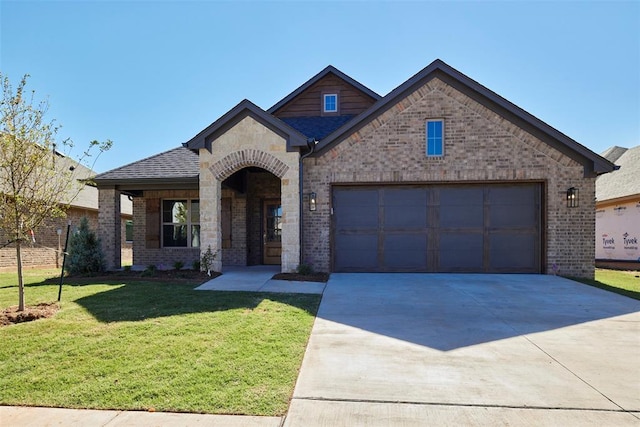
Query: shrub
point(178, 265)
point(85, 252)
point(305, 269)
point(196, 265)
point(127, 268)
point(150, 270)
point(207, 260)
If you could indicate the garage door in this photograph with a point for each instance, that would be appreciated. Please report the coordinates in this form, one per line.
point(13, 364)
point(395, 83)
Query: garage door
point(438, 228)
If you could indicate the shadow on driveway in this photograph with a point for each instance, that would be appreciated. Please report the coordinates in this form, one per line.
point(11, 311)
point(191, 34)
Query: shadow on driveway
point(451, 311)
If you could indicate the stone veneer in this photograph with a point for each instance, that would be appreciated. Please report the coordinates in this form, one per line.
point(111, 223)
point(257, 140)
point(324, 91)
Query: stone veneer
point(249, 143)
point(480, 146)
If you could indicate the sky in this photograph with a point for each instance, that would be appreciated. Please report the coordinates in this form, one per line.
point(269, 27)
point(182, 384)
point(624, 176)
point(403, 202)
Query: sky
point(149, 75)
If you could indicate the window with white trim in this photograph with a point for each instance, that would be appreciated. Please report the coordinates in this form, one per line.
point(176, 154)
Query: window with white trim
point(330, 103)
point(181, 223)
point(435, 138)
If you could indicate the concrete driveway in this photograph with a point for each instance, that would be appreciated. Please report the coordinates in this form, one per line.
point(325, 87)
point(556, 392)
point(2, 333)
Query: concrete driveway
point(436, 349)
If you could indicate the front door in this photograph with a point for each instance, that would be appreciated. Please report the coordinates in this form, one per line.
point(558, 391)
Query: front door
point(272, 234)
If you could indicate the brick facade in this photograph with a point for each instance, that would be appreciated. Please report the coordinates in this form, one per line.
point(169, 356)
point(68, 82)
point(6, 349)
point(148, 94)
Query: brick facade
point(46, 252)
point(480, 146)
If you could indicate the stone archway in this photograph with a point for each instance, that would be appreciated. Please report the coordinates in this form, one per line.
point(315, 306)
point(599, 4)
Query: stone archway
point(214, 171)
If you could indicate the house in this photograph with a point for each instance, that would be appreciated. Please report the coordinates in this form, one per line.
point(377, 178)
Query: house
point(439, 175)
point(49, 239)
point(618, 210)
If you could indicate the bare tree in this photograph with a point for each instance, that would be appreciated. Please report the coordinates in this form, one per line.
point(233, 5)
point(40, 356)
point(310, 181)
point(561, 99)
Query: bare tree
point(37, 180)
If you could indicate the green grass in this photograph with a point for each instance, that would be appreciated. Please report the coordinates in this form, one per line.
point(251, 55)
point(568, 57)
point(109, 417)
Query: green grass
point(622, 282)
point(140, 345)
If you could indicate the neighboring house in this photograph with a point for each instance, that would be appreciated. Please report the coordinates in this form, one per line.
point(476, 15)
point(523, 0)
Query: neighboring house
point(618, 210)
point(439, 175)
point(46, 251)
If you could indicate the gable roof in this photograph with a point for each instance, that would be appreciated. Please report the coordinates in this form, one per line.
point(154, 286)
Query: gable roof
point(593, 163)
point(625, 181)
point(313, 80)
point(178, 165)
point(236, 114)
point(613, 153)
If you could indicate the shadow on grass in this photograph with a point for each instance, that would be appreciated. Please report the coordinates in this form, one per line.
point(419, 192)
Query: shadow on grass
point(143, 300)
point(597, 284)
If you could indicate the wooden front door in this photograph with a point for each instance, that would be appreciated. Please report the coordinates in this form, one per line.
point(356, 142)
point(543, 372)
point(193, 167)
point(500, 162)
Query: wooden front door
point(272, 232)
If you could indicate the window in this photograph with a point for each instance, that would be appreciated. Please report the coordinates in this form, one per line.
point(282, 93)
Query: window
point(128, 231)
point(181, 223)
point(330, 103)
point(435, 139)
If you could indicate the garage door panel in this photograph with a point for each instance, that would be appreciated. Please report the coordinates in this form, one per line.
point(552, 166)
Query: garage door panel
point(405, 208)
point(405, 252)
point(461, 252)
point(461, 207)
point(357, 252)
point(358, 209)
point(512, 252)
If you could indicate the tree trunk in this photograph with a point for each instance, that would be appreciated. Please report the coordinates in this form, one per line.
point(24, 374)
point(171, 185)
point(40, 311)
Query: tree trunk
point(20, 281)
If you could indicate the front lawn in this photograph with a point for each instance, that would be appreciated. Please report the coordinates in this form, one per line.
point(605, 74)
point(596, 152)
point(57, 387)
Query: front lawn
point(622, 282)
point(142, 345)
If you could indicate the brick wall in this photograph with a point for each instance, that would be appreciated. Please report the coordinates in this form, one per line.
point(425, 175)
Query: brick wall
point(45, 252)
point(480, 145)
point(237, 253)
point(163, 258)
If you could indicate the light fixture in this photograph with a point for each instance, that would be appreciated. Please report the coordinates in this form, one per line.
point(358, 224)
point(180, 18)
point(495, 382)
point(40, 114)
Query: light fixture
point(572, 197)
point(312, 202)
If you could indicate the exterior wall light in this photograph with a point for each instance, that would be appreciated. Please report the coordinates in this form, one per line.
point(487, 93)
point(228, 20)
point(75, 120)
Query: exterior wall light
point(312, 202)
point(572, 197)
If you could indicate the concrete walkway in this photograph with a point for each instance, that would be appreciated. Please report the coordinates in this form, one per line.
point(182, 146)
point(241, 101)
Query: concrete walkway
point(517, 350)
point(258, 279)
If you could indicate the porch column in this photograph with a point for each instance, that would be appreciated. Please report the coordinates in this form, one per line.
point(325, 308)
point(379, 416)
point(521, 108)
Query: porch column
point(290, 195)
point(109, 226)
point(210, 211)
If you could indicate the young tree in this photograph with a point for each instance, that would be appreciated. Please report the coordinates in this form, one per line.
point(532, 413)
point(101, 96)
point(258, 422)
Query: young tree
point(37, 182)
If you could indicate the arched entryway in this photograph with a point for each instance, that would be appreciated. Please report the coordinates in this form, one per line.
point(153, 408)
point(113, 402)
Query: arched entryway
point(250, 210)
point(251, 218)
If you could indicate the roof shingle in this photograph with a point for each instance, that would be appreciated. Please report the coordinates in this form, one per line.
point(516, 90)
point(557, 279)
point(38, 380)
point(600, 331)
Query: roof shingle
point(623, 182)
point(178, 163)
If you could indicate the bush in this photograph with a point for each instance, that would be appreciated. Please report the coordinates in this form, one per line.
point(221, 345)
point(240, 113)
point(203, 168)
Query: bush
point(195, 265)
point(84, 252)
point(305, 269)
point(178, 265)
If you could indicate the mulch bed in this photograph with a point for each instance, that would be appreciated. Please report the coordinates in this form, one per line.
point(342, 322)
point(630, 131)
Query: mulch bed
point(11, 315)
point(313, 277)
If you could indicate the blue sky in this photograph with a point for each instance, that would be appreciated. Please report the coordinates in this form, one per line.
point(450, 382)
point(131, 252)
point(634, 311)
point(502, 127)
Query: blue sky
point(149, 75)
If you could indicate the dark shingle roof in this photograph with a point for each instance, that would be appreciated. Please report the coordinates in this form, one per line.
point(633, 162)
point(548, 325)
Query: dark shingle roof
point(317, 127)
point(178, 163)
point(622, 182)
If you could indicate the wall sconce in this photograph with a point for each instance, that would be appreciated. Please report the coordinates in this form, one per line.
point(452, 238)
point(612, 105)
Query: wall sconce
point(312, 202)
point(572, 197)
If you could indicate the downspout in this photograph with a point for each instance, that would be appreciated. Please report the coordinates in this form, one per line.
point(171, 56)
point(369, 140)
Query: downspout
point(311, 145)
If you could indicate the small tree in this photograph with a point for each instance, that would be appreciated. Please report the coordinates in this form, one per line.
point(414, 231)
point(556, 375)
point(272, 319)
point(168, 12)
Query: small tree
point(37, 181)
point(85, 251)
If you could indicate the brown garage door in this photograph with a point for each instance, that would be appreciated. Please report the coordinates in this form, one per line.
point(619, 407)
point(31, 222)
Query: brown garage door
point(437, 228)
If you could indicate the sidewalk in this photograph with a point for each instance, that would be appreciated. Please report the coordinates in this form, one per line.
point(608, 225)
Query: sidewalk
point(49, 417)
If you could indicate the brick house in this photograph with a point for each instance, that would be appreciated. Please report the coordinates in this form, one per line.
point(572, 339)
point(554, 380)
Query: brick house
point(49, 237)
point(439, 175)
point(618, 210)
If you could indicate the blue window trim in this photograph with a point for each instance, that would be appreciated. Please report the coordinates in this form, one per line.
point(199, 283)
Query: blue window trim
point(327, 103)
point(434, 138)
